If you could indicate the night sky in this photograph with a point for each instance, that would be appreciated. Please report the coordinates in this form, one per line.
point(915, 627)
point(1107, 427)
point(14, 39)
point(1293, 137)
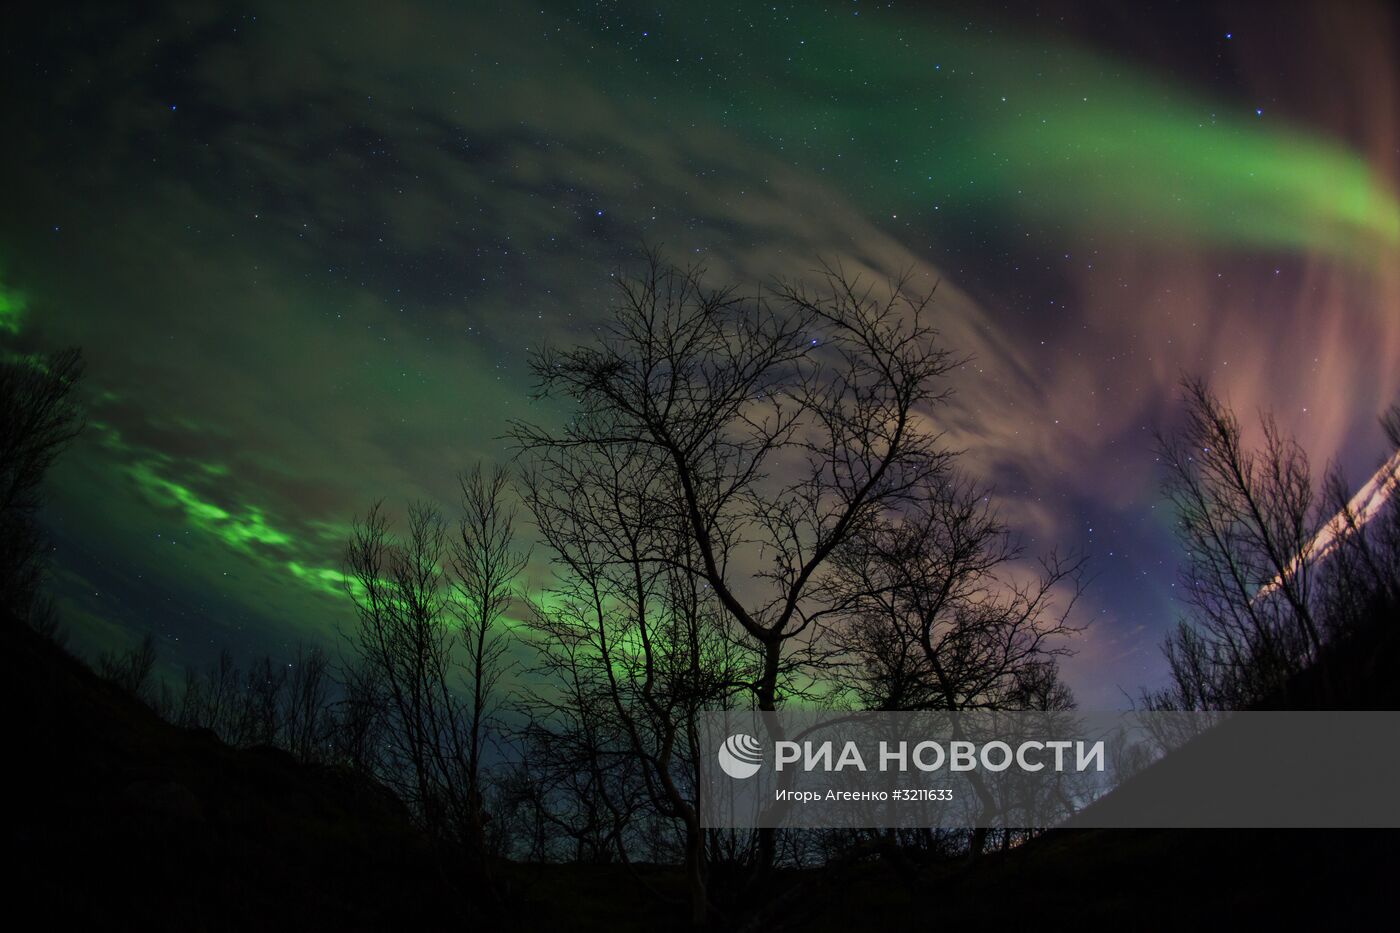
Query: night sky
point(307, 251)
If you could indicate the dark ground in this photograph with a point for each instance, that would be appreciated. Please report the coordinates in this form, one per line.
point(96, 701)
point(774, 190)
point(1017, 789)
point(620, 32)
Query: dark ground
point(121, 820)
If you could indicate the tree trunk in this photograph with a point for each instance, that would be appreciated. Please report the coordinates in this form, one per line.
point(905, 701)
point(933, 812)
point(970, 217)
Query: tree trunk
point(695, 876)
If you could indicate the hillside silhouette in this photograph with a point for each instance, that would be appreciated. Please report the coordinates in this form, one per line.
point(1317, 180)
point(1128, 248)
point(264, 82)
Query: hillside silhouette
point(171, 828)
point(128, 821)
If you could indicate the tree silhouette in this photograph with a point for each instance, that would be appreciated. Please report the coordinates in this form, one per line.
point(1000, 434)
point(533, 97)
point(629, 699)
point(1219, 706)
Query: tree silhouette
point(741, 441)
point(39, 417)
point(429, 646)
point(1274, 571)
point(944, 619)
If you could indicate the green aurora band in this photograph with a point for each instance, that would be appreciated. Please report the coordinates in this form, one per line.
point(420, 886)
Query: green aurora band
point(12, 305)
point(923, 114)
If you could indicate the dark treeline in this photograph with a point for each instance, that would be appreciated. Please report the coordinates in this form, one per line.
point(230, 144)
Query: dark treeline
point(748, 505)
point(39, 417)
point(297, 706)
point(1282, 572)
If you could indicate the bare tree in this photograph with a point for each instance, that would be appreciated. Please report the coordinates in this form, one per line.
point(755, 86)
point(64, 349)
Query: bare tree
point(1274, 572)
point(945, 618)
point(360, 732)
point(485, 566)
point(766, 430)
point(631, 645)
point(1359, 582)
point(578, 783)
point(38, 419)
point(307, 721)
point(131, 670)
point(214, 699)
point(401, 598)
point(1246, 520)
point(429, 645)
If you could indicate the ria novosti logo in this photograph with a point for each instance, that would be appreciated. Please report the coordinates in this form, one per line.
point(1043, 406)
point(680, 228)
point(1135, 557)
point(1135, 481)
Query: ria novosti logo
point(740, 756)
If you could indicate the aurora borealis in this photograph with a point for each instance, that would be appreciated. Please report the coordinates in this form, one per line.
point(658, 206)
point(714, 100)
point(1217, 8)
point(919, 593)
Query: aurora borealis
point(307, 250)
